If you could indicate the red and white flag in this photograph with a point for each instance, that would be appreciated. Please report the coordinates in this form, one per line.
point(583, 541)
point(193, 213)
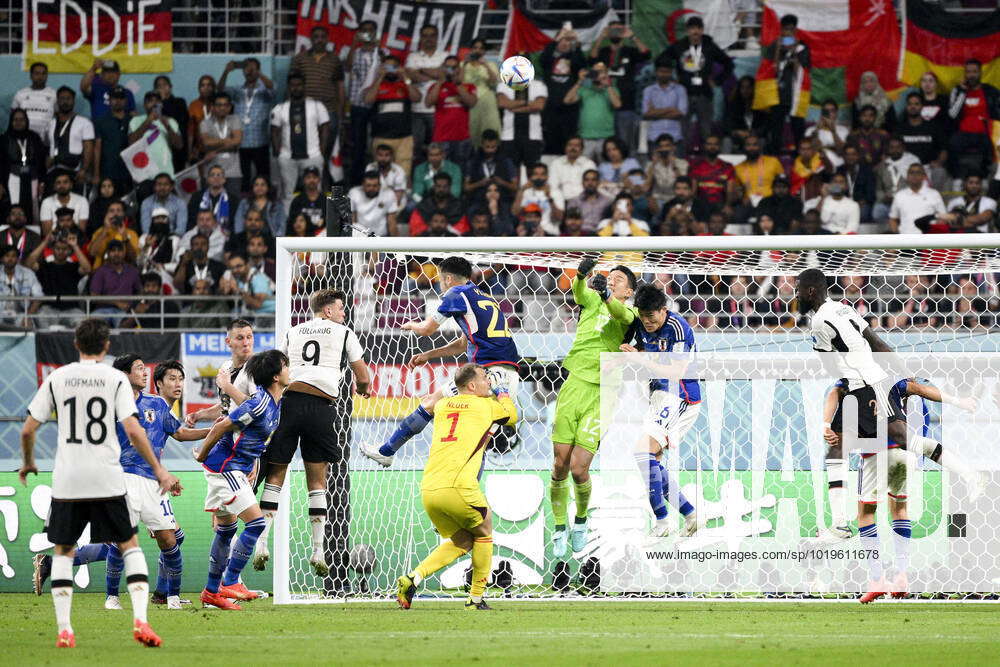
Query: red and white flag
point(187, 182)
point(142, 162)
point(529, 32)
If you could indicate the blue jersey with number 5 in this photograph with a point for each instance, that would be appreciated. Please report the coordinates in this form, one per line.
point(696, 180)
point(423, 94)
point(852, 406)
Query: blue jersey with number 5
point(483, 323)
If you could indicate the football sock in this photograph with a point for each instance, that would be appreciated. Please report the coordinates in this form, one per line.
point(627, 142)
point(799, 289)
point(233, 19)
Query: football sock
point(113, 576)
point(902, 529)
point(242, 550)
point(445, 553)
point(682, 504)
point(649, 468)
point(89, 553)
point(582, 496)
point(137, 580)
point(269, 507)
point(62, 590)
point(869, 540)
point(317, 517)
point(946, 459)
point(413, 424)
point(219, 556)
point(482, 558)
point(162, 580)
point(835, 473)
point(171, 564)
point(559, 498)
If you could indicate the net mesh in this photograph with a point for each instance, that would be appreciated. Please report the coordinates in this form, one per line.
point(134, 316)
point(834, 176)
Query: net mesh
point(735, 300)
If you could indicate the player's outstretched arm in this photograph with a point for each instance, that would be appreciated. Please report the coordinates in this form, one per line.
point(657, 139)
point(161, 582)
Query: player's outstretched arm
point(28, 449)
point(185, 434)
point(932, 393)
point(137, 436)
point(583, 295)
point(425, 328)
point(618, 310)
point(217, 431)
point(211, 414)
point(227, 386)
point(452, 349)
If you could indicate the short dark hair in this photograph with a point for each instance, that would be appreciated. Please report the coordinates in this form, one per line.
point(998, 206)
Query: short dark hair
point(199, 235)
point(64, 211)
point(489, 134)
point(65, 89)
point(456, 266)
point(790, 20)
point(296, 74)
point(431, 26)
point(163, 77)
point(813, 278)
point(916, 95)
point(649, 298)
point(152, 94)
point(573, 212)
point(666, 136)
point(124, 362)
point(222, 95)
point(263, 366)
point(591, 171)
point(151, 277)
point(92, 335)
point(238, 323)
point(442, 176)
point(683, 179)
point(161, 369)
point(237, 255)
point(868, 107)
point(385, 147)
point(466, 374)
point(320, 299)
point(115, 244)
point(165, 175)
point(370, 174)
point(4, 249)
point(536, 165)
point(628, 274)
point(38, 64)
point(695, 22)
point(247, 61)
point(975, 61)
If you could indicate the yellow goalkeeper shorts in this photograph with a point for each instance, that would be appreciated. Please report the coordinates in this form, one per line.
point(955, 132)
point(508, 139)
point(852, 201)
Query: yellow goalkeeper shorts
point(451, 510)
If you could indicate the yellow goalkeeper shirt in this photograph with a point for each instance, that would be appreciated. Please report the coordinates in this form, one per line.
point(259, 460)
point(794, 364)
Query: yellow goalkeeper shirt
point(463, 425)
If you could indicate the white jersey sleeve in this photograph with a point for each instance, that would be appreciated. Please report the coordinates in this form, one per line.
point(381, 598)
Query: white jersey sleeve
point(44, 403)
point(317, 350)
point(838, 328)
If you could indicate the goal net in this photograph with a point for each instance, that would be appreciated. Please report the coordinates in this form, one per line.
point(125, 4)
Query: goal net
point(752, 463)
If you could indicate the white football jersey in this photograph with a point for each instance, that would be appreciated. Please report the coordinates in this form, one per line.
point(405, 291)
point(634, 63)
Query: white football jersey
point(837, 327)
point(89, 399)
point(316, 349)
point(241, 381)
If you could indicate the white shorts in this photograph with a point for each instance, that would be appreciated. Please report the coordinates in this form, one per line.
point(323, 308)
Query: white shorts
point(146, 505)
point(228, 492)
point(669, 418)
point(869, 488)
point(504, 373)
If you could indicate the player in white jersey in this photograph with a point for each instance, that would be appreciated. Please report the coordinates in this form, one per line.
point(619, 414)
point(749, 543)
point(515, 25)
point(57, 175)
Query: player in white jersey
point(88, 483)
point(312, 413)
point(235, 386)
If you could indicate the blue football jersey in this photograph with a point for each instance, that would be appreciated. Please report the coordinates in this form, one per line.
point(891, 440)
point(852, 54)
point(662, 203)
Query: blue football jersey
point(256, 418)
point(157, 420)
point(898, 396)
point(483, 323)
point(675, 336)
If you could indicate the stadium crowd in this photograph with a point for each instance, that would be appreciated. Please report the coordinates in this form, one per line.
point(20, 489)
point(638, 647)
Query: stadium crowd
point(613, 141)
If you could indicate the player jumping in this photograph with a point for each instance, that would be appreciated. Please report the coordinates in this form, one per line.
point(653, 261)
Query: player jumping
point(235, 386)
point(450, 486)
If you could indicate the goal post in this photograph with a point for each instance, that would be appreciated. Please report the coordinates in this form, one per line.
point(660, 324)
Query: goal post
point(929, 293)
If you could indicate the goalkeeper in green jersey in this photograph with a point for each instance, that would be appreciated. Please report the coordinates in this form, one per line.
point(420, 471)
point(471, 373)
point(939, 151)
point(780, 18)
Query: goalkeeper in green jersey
point(604, 320)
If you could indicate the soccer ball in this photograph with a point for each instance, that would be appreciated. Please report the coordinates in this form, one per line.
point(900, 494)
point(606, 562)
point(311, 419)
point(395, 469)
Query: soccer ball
point(517, 72)
point(362, 558)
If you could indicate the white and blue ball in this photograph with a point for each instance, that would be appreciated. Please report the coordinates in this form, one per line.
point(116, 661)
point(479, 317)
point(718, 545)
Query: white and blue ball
point(517, 72)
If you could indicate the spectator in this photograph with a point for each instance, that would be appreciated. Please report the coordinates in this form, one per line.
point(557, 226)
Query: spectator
point(538, 191)
point(37, 100)
point(891, 176)
point(685, 202)
point(164, 197)
point(115, 277)
point(870, 140)
point(176, 108)
point(860, 180)
point(975, 211)
point(521, 122)
point(252, 106)
point(71, 139)
point(15, 233)
point(741, 119)
point(114, 229)
point(152, 313)
point(830, 134)
point(254, 226)
point(391, 175)
point(22, 161)
point(567, 171)
point(812, 224)
point(221, 136)
point(300, 134)
point(63, 197)
point(213, 197)
point(392, 99)
point(260, 254)
point(598, 101)
point(924, 139)
point(621, 222)
point(59, 277)
point(160, 246)
point(206, 225)
point(490, 222)
point(871, 93)
point(758, 171)
point(917, 206)
point(441, 200)
point(573, 223)
point(17, 280)
point(809, 170)
point(839, 213)
point(323, 78)
point(107, 194)
point(256, 291)
point(196, 265)
point(615, 165)
point(792, 62)
point(484, 75)
point(664, 169)
point(530, 225)
point(784, 210)
point(487, 166)
point(374, 207)
point(65, 228)
point(205, 315)
point(590, 204)
point(97, 89)
point(764, 226)
point(935, 104)
point(700, 62)
point(163, 137)
point(362, 66)
point(111, 138)
point(561, 60)
point(623, 62)
point(451, 99)
point(311, 200)
point(261, 199)
point(439, 227)
point(424, 66)
point(973, 106)
point(501, 219)
point(198, 110)
point(713, 178)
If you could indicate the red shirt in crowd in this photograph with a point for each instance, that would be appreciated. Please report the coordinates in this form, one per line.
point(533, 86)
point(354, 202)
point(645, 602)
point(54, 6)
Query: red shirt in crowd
point(973, 118)
point(451, 117)
point(711, 178)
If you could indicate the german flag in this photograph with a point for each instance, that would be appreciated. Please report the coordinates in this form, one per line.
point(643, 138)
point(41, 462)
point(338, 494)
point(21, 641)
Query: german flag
point(939, 41)
point(68, 35)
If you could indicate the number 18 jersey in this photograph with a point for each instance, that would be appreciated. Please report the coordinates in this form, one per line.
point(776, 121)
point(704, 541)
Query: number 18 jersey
point(483, 323)
point(316, 350)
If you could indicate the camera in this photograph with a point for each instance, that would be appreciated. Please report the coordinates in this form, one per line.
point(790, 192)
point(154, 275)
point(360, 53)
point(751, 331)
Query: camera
point(594, 75)
point(616, 33)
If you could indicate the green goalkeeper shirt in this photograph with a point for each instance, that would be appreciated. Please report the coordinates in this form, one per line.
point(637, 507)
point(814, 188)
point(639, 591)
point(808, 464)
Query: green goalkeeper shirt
point(601, 328)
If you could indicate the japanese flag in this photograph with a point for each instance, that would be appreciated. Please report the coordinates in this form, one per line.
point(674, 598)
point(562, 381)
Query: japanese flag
point(186, 183)
point(141, 162)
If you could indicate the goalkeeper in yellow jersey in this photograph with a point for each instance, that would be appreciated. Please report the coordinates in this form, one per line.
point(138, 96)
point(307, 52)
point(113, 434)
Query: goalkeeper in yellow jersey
point(463, 424)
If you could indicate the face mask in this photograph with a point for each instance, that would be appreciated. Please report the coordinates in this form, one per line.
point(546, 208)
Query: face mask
point(836, 189)
point(391, 77)
point(538, 182)
point(159, 228)
point(787, 41)
point(371, 195)
point(590, 189)
point(753, 155)
point(663, 153)
point(451, 71)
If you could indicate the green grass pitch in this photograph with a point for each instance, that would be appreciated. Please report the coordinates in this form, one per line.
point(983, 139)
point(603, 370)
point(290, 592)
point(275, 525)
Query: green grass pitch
point(572, 633)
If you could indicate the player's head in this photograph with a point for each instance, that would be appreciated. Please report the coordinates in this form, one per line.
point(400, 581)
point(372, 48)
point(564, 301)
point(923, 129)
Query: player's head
point(239, 338)
point(268, 368)
point(810, 289)
point(92, 337)
point(621, 282)
point(651, 303)
point(471, 379)
point(132, 366)
point(168, 379)
point(329, 304)
point(454, 271)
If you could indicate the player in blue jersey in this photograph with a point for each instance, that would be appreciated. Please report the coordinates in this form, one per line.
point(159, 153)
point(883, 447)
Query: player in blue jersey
point(674, 400)
point(485, 339)
point(228, 454)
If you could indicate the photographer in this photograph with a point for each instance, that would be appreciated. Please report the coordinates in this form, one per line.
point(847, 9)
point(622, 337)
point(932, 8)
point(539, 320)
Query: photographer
point(598, 99)
point(59, 264)
point(256, 291)
point(452, 99)
point(975, 212)
point(623, 61)
point(64, 230)
point(112, 230)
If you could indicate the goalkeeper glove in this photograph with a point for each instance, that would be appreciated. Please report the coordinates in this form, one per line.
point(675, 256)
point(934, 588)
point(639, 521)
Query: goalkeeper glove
point(600, 285)
point(498, 383)
point(586, 266)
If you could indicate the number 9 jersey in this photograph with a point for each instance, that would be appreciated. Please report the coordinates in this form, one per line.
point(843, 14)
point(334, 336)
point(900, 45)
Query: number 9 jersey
point(483, 323)
point(316, 351)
